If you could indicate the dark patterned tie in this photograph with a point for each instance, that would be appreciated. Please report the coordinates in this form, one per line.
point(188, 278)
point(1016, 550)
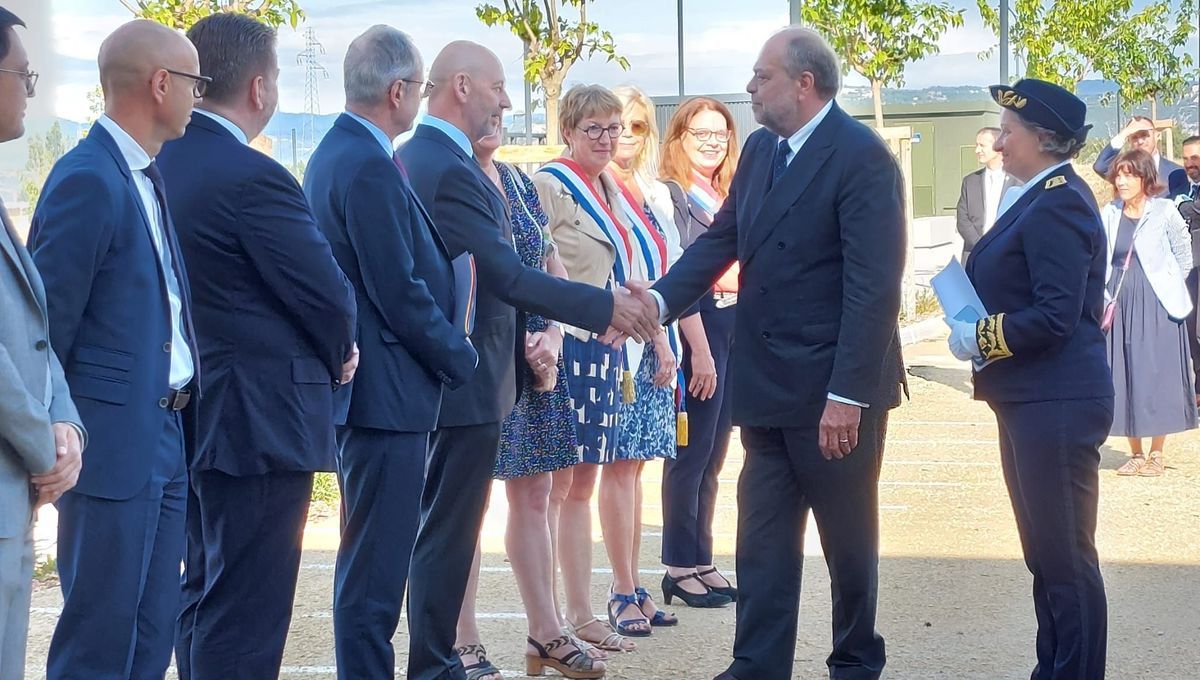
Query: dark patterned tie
point(781, 162)
point(173, 260)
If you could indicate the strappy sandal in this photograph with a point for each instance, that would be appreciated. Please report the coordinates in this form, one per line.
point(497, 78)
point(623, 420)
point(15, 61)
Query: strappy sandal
point(626, 627)
point(584, 646)
point(611, 642)
point(575, 664)
point(660, 618)
point(1133, 466)
point(1155, 467)
point(728, 590)
point(482, 668)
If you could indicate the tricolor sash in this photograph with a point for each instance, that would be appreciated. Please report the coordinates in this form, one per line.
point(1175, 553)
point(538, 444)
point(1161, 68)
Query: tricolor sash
point(705, 197)
point(571, 175)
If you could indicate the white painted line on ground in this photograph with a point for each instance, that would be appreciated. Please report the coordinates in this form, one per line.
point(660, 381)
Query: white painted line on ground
point(950, 423)
point(38, 672)
point(945, 463)
point(936, 484)
point(964, 442)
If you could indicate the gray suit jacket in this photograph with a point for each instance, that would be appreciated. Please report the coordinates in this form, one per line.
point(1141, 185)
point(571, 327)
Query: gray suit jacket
point(972, 209)
point(33, 392)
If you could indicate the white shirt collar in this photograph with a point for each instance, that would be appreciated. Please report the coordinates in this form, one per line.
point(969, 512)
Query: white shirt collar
point(133, 153)
point(1014, 194)
point(457, 136)
point(225, 123)
point(798, 138)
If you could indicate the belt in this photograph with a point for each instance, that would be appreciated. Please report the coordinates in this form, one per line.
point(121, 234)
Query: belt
point(176, 400)
point(724, 300)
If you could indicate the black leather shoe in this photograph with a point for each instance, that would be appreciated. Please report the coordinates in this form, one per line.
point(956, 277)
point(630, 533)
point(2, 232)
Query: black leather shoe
point(707, 600)
point(726, 676)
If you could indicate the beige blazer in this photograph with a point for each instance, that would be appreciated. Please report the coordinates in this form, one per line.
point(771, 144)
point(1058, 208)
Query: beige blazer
point(585, 251)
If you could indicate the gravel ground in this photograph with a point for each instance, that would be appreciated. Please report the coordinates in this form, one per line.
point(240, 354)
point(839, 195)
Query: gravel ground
point(954, 600)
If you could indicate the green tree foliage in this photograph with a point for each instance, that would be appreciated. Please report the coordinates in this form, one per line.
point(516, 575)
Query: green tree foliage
point(877, 38)
point(554, 43)
point(181, 14)
point(44, 150)
point(1149, 59)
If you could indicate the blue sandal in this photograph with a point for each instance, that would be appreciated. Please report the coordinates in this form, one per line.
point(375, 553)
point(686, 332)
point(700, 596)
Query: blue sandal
point(660, 618)
point(624, 627)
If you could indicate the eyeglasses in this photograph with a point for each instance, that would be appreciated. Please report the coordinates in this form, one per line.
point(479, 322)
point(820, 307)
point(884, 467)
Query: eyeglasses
point(30, 77)
point(426, 86)
point(639, 128)
point(199, 83)
point(704, 134)
point(595, 132)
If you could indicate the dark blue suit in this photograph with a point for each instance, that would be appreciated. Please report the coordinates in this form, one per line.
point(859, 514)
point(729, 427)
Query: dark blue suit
point(404, 282)
point(274, 321)
point(121, 530)
point(1043, 266)
point(472, 216)
point(822, 254)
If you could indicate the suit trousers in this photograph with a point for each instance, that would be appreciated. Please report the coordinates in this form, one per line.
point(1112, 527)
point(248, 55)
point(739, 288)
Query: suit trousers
point(1193, 286)
point(458, 479)
point(244, 539)
point(16, 587)
point(689, 487)
point(119, 565)
point(380, 473)
point(1050, 453)
point(787, 465)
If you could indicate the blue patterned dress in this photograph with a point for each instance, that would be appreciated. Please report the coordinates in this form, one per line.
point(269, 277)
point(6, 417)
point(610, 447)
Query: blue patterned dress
point(647, 426)
point(539, 434)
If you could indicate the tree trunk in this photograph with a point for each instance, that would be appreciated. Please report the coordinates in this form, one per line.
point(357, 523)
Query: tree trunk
point(1153, 108)
point(552, 89)
point(877, 98)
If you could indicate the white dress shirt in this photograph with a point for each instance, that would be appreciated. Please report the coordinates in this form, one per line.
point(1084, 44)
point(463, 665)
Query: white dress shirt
point(182, 368)
point(993, 189)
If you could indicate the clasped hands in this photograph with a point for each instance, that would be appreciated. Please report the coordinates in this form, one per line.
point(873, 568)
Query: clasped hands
point(635, 315)
point(67, 464)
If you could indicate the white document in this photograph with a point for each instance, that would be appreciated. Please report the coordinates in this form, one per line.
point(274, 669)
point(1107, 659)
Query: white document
point(956, 295)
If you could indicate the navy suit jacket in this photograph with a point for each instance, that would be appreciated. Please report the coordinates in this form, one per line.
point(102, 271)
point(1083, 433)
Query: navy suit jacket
point(274, 314)
point(109, 311)
point(1175, 184)
point(822, 257)
point(472, 216)
point(1043, 266)
point(402, 277)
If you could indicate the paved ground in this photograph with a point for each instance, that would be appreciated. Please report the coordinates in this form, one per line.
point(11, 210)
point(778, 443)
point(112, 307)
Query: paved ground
point(954, 599)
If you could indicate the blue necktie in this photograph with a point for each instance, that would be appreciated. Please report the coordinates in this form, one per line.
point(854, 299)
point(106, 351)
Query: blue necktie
point(781, 162)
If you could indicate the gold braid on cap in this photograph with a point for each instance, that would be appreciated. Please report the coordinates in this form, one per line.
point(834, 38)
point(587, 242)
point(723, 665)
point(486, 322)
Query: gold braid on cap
point(989, 333)
point(1010, 99)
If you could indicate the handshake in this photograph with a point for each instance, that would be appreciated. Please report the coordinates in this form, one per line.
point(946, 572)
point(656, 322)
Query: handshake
point(635, 315)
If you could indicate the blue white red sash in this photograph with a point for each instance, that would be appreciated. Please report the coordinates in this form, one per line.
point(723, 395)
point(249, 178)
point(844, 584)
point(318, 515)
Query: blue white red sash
point(571, 175)
point(704, 196)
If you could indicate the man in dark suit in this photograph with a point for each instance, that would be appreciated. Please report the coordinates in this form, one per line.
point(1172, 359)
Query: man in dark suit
point(403, 278)
point(275, 325)
point(120, 318)
point(1185, 191)
point(467, 103)
point(1140, 133)
point(816, 359)
point(41, 436)
point(981, 191)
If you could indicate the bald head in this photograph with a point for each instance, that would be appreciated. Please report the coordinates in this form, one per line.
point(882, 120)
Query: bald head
point(463, 57)
point(136, 50)
point(468, 88)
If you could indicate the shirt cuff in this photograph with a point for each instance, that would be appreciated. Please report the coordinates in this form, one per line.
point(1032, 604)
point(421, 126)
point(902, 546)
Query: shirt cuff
point(662, 305)
point(843, 400)
point(78, 430)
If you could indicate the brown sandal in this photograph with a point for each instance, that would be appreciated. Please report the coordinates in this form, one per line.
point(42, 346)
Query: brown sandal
point(1154, 468)
point(1133, 466)
point(611, 640)
point(575, 664)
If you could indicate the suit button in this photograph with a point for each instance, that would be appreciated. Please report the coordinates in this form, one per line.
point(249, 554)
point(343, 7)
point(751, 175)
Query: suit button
point(577, 223)
point(162, 403)
point(167, 347)
point(762, 289)
point(41, 345)
point(780, 245)
point(766, 335)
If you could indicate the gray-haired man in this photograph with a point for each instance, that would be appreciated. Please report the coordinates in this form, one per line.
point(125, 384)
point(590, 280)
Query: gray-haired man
point(40, 430)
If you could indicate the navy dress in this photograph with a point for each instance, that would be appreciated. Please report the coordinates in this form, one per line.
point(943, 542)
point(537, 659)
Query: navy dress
point(539, 434)
point(1148, 353)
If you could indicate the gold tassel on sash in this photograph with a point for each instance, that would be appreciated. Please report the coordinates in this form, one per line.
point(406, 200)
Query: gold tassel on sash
point(681, 429)
point(628, 393)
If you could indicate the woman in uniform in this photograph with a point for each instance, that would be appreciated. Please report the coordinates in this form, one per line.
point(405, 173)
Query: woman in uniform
point(1040, 362)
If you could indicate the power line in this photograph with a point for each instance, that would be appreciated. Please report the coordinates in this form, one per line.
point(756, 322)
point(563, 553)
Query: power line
point(314, 72)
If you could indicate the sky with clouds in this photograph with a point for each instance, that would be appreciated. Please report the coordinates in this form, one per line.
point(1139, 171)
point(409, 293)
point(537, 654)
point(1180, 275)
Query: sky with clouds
point(721, 41)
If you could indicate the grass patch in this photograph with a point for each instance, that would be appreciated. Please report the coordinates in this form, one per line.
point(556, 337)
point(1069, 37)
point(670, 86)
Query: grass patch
point(325, 489)
point(46, 571)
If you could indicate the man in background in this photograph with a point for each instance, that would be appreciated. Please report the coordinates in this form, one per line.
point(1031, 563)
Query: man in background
point(981, 191)
point(1140, 133)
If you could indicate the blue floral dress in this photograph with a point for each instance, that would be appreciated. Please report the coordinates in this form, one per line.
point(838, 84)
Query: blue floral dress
point(539, 435)
point(647, 426)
